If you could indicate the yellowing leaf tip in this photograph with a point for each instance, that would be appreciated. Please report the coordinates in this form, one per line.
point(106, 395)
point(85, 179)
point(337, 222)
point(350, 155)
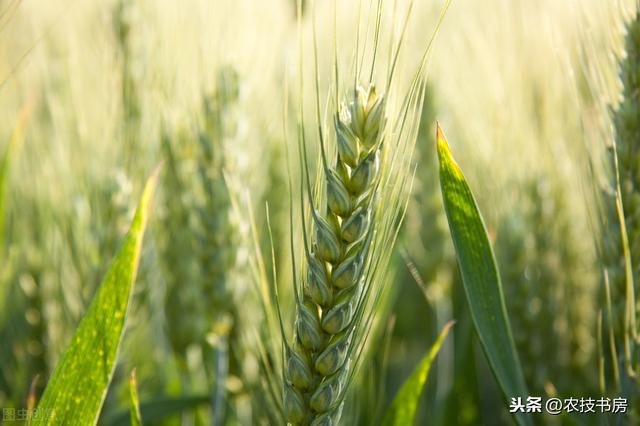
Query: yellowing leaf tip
point(441, 141)
point(444, 153)
point(448, 326)
point(151, 184)
point(156, 171)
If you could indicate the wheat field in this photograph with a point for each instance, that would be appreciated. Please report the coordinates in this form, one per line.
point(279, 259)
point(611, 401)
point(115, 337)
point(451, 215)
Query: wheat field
point(248, 213)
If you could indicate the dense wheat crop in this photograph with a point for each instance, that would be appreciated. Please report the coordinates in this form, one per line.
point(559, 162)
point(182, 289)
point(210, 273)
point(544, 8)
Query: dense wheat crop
point(246, 212)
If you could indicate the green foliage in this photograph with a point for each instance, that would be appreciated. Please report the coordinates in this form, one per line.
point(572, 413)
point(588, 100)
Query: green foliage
point(480, 276)
point(405, 404)
point(547, 292)
point(157, 410)
point(5, 165)
point(199, 236)
point(621, 237)
point(425, 227)
point(124, 23)
point(4, 172)
point(129, 82)
point(136, 417)
point(627, 127)
point(79, 383)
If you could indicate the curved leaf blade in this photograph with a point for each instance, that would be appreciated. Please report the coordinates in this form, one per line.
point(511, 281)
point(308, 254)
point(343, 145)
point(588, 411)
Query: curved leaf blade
point(405, 404)
point(480, 276)
point(79, 384)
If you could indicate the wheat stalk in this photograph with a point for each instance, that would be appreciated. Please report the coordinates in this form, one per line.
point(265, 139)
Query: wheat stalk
point(200, 221)
point(622, 232)
point(627, 126)
point(124, 24)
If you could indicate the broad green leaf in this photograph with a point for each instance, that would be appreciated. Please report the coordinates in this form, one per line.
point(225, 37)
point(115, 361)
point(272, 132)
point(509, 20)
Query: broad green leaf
point(79, 383)
point(480, 276)
point(155, 411)
point(136, 417)
point(405, 404)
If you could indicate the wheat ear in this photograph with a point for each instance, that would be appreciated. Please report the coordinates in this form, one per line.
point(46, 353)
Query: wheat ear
point(317, 364)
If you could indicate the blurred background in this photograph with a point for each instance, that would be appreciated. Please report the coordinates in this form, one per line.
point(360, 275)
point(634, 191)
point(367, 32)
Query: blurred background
point(107, 89)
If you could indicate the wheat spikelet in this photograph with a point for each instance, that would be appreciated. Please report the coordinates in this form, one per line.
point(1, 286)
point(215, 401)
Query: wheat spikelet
point(318, 363)
point(544, 284)
point(350, 222)
point(200, 221)
point(182, 302)
point(124, 21)
point(201, 297)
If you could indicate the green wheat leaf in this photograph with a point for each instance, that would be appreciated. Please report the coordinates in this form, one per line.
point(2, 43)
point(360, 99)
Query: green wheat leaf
point(136, 417)
point(79, 383)
point(405, 404)
point(480, 276)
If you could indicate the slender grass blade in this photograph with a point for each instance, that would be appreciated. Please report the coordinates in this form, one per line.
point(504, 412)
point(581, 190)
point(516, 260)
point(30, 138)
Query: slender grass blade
point(79, 383)
point(480, 276)
point(405, 404)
